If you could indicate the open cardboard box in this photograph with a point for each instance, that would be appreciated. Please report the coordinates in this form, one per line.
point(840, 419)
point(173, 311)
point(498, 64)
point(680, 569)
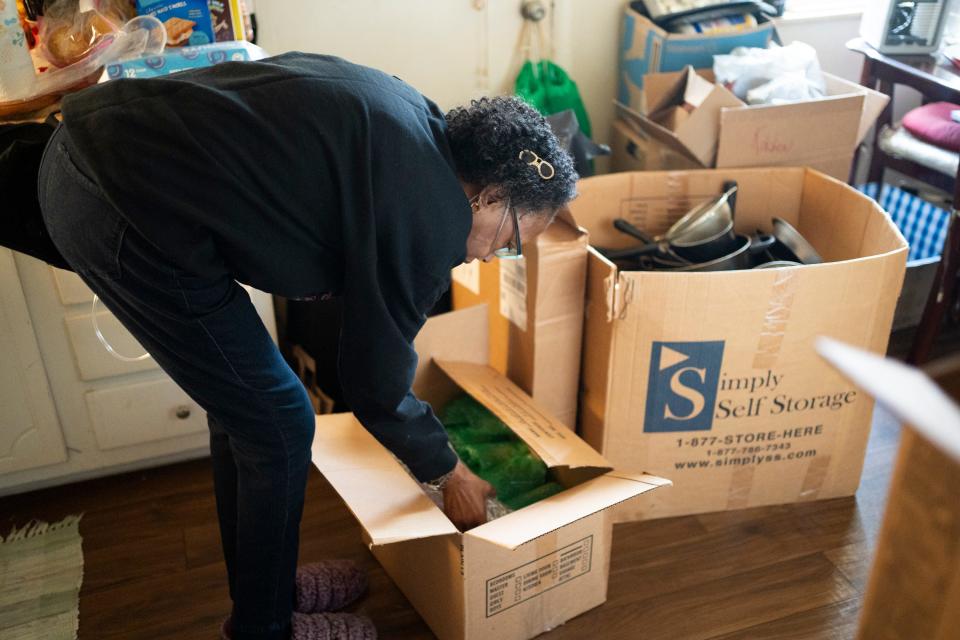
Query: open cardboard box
point(535, 314)
point(725, 132)
point(511, 578)
point(711, 379)
point(914, 587)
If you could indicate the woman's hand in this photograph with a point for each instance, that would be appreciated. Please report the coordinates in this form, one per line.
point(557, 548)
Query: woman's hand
point(465, 498)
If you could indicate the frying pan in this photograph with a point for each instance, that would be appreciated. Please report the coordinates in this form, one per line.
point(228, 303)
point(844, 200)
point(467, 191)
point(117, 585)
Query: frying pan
point(791, 245)
point(777, 264)
point(703, 234)
point(741, 258)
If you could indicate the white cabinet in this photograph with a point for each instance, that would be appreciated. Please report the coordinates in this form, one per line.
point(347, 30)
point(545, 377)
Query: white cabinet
point(30, 433)
point(71, 411)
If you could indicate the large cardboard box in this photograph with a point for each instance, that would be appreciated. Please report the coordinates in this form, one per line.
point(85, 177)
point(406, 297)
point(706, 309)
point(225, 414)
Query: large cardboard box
point(725, 132)
point(512, 578)
point(914, 587)
point(536, 314)
point(646, 48)
point(711, 379)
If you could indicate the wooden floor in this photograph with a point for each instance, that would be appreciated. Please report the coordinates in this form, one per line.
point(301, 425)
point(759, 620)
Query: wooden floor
point(153, 568)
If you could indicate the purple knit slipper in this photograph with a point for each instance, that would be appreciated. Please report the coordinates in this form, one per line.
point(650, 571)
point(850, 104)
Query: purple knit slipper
point(321, 626)
point(328, 586)
point(332, 626)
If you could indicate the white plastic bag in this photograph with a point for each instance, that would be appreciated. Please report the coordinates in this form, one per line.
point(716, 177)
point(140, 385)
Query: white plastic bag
point(771, 76)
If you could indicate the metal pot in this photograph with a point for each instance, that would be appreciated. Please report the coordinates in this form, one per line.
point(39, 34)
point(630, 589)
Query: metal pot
point(707, 221)
point(791, 245)
point(741, 258)
point(703, 234)
point(777, 264)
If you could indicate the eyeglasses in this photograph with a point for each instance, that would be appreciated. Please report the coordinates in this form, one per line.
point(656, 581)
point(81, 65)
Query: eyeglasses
point(514, 249)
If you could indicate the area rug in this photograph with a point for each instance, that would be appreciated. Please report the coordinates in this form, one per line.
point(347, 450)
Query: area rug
point(41, 568)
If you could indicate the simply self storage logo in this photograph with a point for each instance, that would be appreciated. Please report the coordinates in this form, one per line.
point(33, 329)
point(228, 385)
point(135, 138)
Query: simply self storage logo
point(682, 387)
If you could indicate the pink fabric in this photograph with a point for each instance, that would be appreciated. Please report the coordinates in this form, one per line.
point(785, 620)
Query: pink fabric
point(328, 585)
point(932, 123)
point(332, 626)
point(322, 626)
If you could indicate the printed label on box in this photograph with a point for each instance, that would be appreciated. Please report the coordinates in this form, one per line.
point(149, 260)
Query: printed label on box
point(539, 576)
point(468, 275)
point(682, 389)
point(513, 291)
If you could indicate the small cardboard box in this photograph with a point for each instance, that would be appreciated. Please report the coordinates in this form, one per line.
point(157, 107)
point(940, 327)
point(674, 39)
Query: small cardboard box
point(536, 314)
point(725, 132)
point(646, 48)
point(914, 587)
point(512, 578)
point(711, 379)
point(697, 131)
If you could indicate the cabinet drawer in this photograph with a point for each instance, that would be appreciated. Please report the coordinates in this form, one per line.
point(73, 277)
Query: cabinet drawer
point(144, 412)
point(70, 288)
point(92, 358)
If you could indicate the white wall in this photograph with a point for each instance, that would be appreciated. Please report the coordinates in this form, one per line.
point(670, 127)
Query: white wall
point(829, 37)
point(440, 46)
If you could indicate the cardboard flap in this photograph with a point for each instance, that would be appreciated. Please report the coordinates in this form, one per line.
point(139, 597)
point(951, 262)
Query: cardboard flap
point(459, 335)
point(550, 439)
point(662, 88)
point(700, 132)
point(575, 503)
point(651, 129)
point(873, 101)
point(387, 501)
point(800, 133)
point(904, 391)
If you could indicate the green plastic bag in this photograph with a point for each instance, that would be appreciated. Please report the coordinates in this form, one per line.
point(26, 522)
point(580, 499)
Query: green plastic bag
point(534, 495)
point(494, 452)
point(487, 455)
point(516, 476)
point(549, 88)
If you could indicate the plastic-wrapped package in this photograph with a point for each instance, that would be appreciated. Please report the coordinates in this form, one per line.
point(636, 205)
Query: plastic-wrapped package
point(183, 58)
point(495, 453)
point(536, 494)
point(67, 35)
point(89, 37)
point(774, 75)
point(487, 455)
point(514, 477)
point(187, 22)
point(469, 422)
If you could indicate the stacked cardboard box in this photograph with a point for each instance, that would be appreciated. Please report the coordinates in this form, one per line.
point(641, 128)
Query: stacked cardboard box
point(536, 314)
point(646, 48)
point(702, 124)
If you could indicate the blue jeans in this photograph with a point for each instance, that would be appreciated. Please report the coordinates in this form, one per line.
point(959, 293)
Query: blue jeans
point(205, 333)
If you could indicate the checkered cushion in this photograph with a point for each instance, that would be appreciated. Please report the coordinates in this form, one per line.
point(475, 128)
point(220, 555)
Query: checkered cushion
point(922, 224)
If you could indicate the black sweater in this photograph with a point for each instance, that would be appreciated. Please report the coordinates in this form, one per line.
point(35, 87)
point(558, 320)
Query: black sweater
point(303, 174)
